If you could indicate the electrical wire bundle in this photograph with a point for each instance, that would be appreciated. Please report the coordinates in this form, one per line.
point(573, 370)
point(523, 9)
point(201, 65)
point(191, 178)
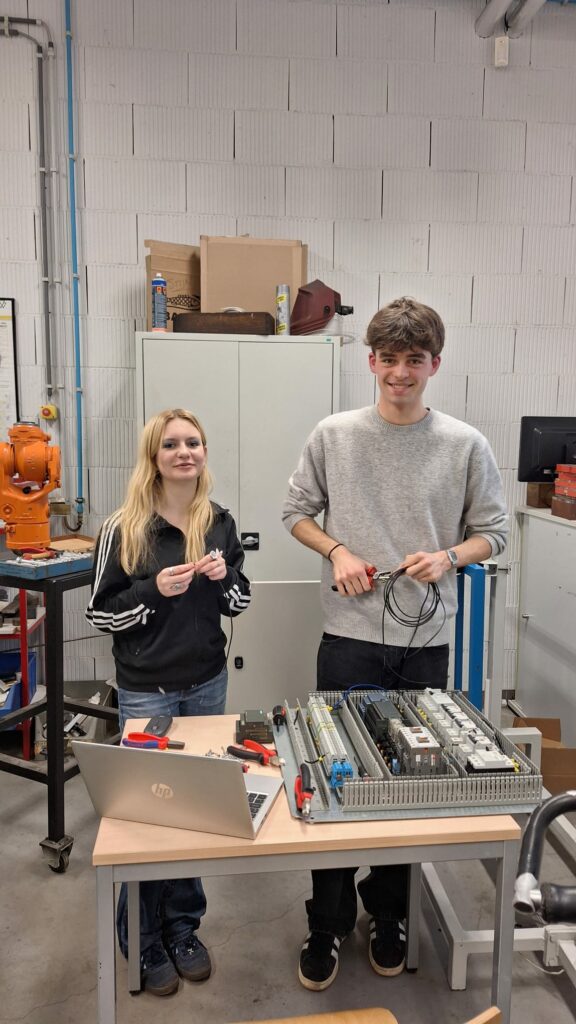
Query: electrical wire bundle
point(391, 605)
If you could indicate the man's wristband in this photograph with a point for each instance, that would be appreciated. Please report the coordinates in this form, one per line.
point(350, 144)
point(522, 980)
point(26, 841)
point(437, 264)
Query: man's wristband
point(340, 545)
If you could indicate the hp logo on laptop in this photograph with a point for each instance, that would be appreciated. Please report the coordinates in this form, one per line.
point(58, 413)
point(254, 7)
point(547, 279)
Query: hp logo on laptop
point(161, 790)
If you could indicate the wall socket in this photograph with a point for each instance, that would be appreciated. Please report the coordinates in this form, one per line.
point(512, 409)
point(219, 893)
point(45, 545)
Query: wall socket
point(501, 51)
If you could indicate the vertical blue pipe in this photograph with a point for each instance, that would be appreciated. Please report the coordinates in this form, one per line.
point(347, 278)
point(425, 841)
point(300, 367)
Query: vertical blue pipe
point(477, 577)
point(459, 633)
point(74, 248)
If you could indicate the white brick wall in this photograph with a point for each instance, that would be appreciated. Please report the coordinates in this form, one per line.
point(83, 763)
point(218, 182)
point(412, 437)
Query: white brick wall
point(379, 133)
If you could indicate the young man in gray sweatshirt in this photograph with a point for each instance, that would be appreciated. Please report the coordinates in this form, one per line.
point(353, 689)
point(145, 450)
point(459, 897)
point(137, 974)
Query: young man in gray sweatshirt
point(399, 485)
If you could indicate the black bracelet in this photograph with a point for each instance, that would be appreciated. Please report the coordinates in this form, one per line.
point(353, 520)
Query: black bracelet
point(340, 545)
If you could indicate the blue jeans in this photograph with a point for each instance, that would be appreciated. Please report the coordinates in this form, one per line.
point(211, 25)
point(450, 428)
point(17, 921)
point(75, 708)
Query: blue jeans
point(168, 910)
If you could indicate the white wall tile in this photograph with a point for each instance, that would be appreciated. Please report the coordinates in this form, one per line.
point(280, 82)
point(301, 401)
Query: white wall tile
point(570, 302)
point(524, 198)
point(32, 387)
point(478, 350)
point(334, 192)
point(566, 392)
point(105, 129)
point(18, 77)
point(475, 145)
point(234, 189)
point(286, 29)
point(387, 247)
point(181, 133)
point(135, 184)
point(78, 668)
point(18, 176)
point(505, 398)
point(116, 291)
point(457, 42)
point(429, 195)
point(202, 26)
point(16, 124)
point(111, 443)
point(318, 234)
point(549, 250)
point(29, 339)
point(520, 299)
point(109, 393)
point(136, 76)
point(385, 32)
point(528, 94)
point(451, 296)
point(551, 148)
point(283, 137)
point(447, 392)
point(498, 436)
point(186, 230)
point(107, 23)
point(240, 83)
point(356, 391)
point(437, 90)
point(554, 37)
point(109, 342)
point(107, 489)
point(360, 290)
point(381, 141)
point(108, 237)
point(545, 350)
point(21, 281)
point(338, 86)
point(17, 235)
point(475, 248)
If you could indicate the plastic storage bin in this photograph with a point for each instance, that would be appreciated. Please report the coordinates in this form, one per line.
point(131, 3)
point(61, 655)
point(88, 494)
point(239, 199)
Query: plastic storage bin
point(10, 662)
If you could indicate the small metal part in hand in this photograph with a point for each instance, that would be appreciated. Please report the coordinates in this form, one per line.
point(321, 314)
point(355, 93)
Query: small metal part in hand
point(176, 586)
point(215, 554)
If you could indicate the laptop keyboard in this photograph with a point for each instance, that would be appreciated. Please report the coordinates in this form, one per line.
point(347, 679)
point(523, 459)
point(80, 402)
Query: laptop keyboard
point(255, 801)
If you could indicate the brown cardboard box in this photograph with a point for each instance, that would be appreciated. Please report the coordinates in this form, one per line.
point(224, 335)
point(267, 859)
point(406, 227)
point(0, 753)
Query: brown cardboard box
point(558, 762)
point(539, 495)
point(180, 266)
point(244, 272)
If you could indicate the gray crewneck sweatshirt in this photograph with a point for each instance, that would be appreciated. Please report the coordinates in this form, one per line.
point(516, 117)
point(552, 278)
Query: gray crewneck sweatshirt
point(387, 491)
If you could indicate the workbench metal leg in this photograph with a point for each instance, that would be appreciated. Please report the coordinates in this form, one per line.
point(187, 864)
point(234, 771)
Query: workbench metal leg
point(445, 916)
point(106, 933)
point(504, 930)
point(134, 983)
point(413, 921)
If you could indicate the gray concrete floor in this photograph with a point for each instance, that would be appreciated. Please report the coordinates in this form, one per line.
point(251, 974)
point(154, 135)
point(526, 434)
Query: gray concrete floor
point(254, 928)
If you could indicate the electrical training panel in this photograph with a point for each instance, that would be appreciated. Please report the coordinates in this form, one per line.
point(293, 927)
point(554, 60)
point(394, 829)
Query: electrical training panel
point(380, 754)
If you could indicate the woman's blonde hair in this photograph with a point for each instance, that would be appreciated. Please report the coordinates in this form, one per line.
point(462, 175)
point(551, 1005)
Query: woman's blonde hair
point(136, 515)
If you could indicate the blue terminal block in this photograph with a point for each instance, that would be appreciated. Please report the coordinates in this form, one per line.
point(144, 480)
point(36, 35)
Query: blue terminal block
point(341, 770)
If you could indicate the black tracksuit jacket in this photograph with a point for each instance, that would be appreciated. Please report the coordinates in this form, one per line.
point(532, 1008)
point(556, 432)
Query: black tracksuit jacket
point(173, 643)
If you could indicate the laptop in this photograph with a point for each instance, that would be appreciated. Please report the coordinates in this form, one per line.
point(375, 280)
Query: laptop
point(162, 787)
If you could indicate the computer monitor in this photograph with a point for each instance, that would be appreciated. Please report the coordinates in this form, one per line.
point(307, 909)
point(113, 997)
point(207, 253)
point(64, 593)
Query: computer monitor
point(545, 441)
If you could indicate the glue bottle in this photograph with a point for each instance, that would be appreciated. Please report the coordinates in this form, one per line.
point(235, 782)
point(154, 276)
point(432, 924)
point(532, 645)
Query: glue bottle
point(159, 303)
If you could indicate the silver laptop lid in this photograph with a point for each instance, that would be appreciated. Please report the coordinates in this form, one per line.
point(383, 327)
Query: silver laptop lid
point(207, 794)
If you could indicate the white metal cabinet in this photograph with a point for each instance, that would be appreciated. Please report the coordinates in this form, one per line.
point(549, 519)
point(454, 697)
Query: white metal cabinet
point(258, 399)
point(546, 684)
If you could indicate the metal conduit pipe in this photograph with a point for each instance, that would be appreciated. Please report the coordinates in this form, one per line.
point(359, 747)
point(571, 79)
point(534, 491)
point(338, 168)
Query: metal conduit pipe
point(487, 21)
point(521, 15)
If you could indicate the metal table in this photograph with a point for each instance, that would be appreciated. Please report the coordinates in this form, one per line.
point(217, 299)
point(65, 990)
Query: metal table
point(57, 769)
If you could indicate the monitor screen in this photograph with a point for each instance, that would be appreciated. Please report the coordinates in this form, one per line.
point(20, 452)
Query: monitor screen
point(545, 441)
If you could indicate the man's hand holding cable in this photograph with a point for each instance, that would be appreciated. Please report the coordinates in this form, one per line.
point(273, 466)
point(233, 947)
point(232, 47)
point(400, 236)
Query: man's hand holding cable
point(426, 566)
point(349, 572)
point(175, 579)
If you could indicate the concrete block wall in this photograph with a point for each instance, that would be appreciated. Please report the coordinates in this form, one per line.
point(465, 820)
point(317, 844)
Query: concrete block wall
point(378, 132)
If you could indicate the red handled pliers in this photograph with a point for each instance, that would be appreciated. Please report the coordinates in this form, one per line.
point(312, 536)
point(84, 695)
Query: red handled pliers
point(252, 751)
point(150, 742)
point(374, 576)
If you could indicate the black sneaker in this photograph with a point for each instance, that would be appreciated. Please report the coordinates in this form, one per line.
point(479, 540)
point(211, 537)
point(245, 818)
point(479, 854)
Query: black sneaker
point(191, 958)
point(319, 960)
point(157, 971)
point(387, 946)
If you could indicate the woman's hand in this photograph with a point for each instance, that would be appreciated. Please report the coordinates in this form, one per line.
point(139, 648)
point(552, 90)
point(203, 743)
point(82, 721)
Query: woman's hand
point(175, 579)
point(213, 566)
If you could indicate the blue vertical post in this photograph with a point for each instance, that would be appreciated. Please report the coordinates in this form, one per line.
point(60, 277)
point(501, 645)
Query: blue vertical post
point(477, 577)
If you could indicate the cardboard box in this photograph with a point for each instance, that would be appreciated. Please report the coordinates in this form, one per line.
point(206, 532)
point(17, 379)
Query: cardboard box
point(558, 762)
point(539, 495)
point(244, 272)
point(180, 266)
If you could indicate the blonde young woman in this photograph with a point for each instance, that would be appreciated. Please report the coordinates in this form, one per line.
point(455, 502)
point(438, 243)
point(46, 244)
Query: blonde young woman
point(168, 565)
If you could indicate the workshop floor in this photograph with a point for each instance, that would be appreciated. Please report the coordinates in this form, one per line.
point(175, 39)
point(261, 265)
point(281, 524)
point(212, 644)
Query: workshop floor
point(254, 928)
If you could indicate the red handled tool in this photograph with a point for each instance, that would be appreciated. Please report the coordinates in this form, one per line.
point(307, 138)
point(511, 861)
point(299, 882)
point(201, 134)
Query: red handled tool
point(304, 791)
point(150, 742)
point(374, 575)
point(252, 751)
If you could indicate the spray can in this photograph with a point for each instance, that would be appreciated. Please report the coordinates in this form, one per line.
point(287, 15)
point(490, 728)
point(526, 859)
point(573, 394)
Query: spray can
point(159, 303)
point(282, 309)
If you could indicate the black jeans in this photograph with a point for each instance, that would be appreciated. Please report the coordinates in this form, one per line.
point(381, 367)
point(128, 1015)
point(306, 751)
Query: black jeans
point(341, 663)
